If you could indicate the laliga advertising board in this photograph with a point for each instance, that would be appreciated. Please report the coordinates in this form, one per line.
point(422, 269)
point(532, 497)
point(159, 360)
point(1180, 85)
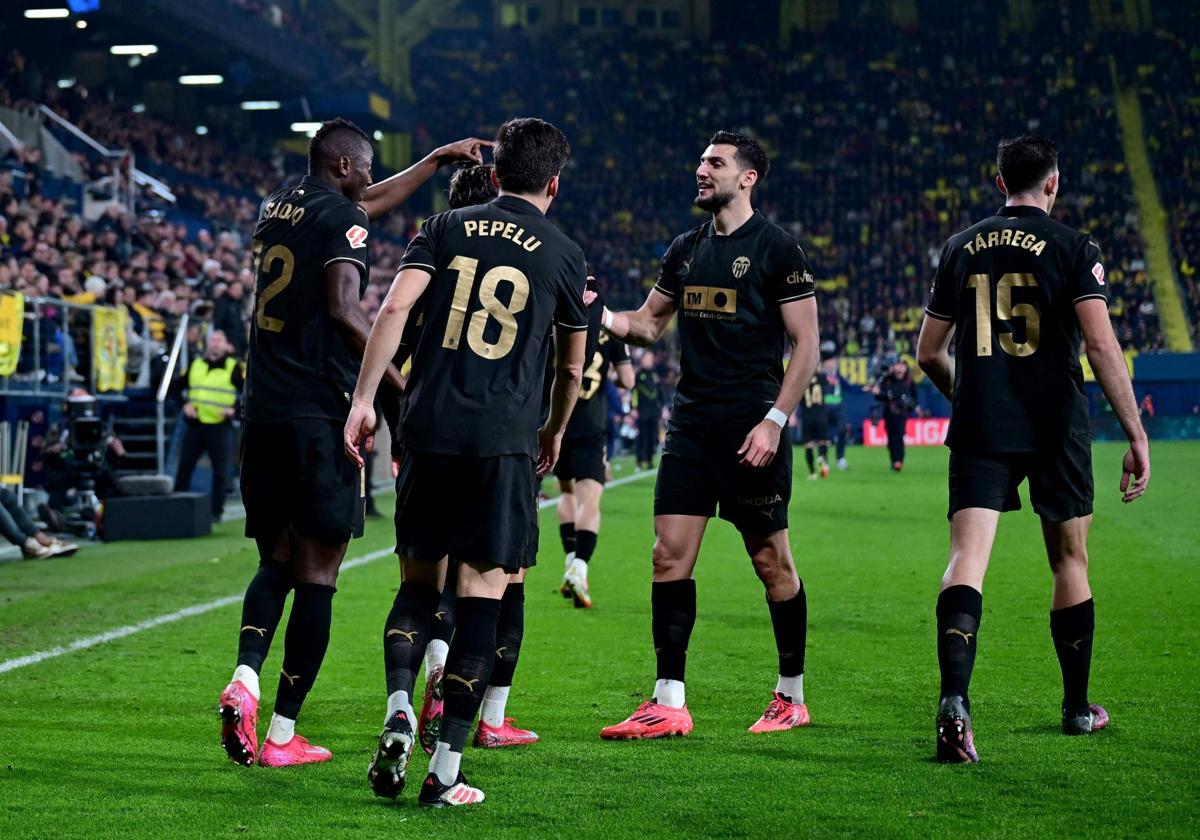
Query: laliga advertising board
point(918, 431)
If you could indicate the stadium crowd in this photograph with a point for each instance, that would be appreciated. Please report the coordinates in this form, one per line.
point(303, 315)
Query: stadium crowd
point(878, 157)
point(1167, 75)
point(883, 154)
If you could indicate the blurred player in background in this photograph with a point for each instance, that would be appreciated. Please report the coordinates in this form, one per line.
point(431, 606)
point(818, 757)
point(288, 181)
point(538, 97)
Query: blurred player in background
point(498, 279)
point(838, 429)
point(303, 500)
point(814, 427)
point(648, 400)
point(582, 464)
point(742, 289)
point(1017, 292)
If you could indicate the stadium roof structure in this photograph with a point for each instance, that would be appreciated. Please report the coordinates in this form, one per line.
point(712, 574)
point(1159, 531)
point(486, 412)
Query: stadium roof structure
point(207, 61)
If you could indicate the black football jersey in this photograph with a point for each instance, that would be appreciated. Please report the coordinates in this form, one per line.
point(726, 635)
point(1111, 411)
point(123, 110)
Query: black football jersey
point(301, 363)
point(1010, 285)
point(814, 393)
point(590, 415)
point(502, 278)
point(727, 292)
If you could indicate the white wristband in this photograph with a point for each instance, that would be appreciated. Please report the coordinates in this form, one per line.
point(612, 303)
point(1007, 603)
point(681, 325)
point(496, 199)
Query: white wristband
point(777, 417)
point(606, 318)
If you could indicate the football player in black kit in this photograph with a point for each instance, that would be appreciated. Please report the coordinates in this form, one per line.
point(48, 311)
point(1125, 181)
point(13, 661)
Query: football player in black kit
point(742, 289)
point(303, 501)
point(469, 186)
point(1017, 292)
point(581, 465)
point(814, 427)
point(497, 279)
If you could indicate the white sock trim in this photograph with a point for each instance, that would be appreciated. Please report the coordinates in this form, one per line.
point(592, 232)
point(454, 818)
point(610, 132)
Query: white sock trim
point(495, 698)
point(445, 763)
point(248, 677)
point(282, 730)
point(791, 686)
point(399, 701)
point(435, 655)
point(670, 693)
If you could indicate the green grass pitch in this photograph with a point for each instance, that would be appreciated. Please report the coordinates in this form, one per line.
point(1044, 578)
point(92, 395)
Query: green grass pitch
point(121, 739)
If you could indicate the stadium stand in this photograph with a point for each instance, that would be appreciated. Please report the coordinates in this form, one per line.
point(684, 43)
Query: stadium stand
point(1166, 75)
point(883, 154)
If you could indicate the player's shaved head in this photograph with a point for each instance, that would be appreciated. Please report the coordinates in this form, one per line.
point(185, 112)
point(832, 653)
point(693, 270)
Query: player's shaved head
point(334, 140)
point(1025, 162)
point(529, 153)
point(471, 185)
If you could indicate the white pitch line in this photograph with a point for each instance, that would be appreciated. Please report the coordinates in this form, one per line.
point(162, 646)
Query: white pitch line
point(199, 609)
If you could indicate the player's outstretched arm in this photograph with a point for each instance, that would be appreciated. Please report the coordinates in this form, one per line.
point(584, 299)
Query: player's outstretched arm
point(800, 321)
point(625, 377)
point(569, 349)
point(381, 348)
point(1108, 364)
point(385, 196)
point(641, 327)
point(933, 354)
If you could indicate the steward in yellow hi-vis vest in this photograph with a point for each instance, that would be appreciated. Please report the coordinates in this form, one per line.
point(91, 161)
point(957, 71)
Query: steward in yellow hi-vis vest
point(214, 382)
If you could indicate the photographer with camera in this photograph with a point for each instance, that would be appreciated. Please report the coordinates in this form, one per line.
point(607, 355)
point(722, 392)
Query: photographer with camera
point(80, 454)
point(895, 390)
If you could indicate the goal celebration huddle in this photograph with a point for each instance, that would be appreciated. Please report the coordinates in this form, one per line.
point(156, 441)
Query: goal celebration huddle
point(488, 363)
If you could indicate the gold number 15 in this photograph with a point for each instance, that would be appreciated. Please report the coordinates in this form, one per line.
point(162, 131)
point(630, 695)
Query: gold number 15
point(1005, 311)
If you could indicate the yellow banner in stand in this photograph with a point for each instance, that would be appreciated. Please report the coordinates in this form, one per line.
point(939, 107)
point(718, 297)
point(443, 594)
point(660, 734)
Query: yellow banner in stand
point(12, 311)
point(109, 350)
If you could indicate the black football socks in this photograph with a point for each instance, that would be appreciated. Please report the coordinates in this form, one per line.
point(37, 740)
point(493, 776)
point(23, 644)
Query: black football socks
point(262, 609)
point(406, 633)
point(673, 615)
point(304, 645)
point(789, 620)
point(808, 459)
point(585, 545)
point(1072, 629)
point(566, 532)
point(510, 630)
point(468, 667)
point(959, 609)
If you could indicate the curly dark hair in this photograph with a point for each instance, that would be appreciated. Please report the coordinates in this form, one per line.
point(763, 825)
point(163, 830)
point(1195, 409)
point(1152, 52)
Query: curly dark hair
point(472, 185)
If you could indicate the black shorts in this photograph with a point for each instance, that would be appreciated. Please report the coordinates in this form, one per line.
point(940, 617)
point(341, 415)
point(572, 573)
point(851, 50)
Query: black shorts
point(700, 473)
point(478, 510)
point(1060, 483)
point(814, 426)
point(833, 423)
point(582, 458)
point(295, 474)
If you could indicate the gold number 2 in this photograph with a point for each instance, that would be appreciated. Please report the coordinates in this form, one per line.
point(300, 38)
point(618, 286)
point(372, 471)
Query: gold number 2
point(493, 308)
point(284, 255)
point(1005, 311)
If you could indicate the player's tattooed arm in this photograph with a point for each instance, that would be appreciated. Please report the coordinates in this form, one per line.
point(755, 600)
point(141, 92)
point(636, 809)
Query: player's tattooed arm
point(800, 321)
point(381, 348)
point(641, 327)
point(1108, 364)
point(933, 354)
point(385, 196)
